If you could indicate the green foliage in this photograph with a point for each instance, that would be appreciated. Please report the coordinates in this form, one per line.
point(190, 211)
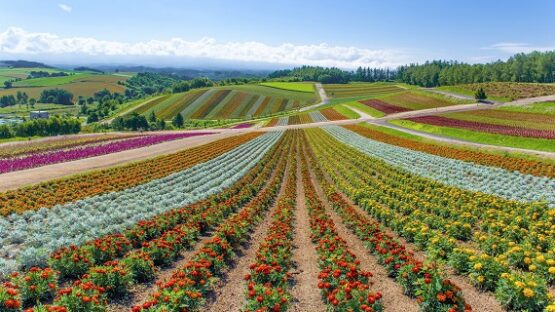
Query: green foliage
point(480, 94)
point(57, 96)
point(41, 127)
point(144, 84)
point(132, 121)
point(177, 121)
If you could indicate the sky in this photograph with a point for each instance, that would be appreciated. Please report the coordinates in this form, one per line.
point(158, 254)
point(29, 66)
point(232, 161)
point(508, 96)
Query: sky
point(272, 34)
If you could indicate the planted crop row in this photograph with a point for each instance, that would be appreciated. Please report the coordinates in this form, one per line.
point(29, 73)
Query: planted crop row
point(48, 194)
point(332, 114)
point(190, 284)
point(492, 239)
point(344, 285)
point(421, 281)
point(485, 127)
point(27, 238)
point(161, 239)
point(31, 147)
point(488, 180)
point(268, 279)
point(536, 168)
point(384, 106)
point(47, 158)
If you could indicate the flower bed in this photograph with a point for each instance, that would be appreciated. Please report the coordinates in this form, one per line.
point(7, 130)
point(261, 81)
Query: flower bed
point(51, 193)
point(384, 107)
point(526, 166)
point(53, 157)
point(485, 127)
point(344, 286)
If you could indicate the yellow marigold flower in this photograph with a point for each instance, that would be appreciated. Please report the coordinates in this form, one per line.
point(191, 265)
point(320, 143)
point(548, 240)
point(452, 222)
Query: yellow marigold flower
point(550, 308)
point(481, 278)
point(551, 270)
point(550, 262)
point(527, 260)
point(532, 268)
point(505, 275)
point(484, 256)
point(528, 293)
point(477, 266)
point(540, 258)
point(519, 284)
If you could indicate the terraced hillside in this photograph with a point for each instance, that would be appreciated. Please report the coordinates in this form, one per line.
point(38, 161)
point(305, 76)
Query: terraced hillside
point(229, 102)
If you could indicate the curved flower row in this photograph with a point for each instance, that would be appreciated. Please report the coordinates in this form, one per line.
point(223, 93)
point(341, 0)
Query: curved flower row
point(525, 166)
point(343, 284)
point(268, 277)
point(75, 223)
point(58, 156)
point(384, 107)
point(57, 143)
point(489, 180)
point(161, 238)
point(332, 114)
point(317, 116)
point(485, 127)
point(432, 291)
point(511, 236)
point(190, 284)
point(51, 193)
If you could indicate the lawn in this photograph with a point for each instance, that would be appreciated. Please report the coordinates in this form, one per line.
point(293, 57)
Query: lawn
point(480, 137)
point(367, 109)
point(360, 89)
point(346, 111)
point(291, 86)
point(547, 108)
point(50, 81)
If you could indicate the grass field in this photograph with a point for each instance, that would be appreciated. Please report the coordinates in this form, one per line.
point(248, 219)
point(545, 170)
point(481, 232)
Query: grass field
point(507, 118)
point(345, 111)
point(229, 102)
point(481, 137)
point(547, 108)
point(8, 73)
point(291, 86)
point(50, 81)
point(504, 91)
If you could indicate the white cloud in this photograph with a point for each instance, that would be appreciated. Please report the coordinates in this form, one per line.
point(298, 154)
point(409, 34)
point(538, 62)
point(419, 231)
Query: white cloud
point(65, 7)
point(516, 47)
point(18, 41)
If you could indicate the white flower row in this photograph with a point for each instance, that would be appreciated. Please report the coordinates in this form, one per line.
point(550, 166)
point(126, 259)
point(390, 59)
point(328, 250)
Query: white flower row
point(454, 172)
point(27, 239)
point(283, 121)
point(317, 116)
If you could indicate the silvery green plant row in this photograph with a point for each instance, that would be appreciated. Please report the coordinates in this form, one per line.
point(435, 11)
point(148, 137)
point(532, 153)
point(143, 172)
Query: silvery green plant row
point(468, 176)
point(317, 116)
point(28, 239)
point(283, 121)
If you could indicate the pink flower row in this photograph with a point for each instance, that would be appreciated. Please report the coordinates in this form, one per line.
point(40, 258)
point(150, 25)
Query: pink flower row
point(58, 156)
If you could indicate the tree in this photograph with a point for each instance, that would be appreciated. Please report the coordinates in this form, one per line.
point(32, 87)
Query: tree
point(7, 84)
point(160, 124)
point(480, 95)
point(152, 117)
point(93, 117)
point(177, 121)
point(32, 101)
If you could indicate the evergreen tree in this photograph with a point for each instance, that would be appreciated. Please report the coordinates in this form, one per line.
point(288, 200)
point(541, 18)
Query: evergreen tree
point(178, 121)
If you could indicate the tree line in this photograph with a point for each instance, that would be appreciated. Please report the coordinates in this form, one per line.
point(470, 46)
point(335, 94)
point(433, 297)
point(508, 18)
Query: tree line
point(532, 67)
point(41, 127)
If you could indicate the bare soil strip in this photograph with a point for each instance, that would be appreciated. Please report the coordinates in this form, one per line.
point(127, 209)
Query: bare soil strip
point(230, 295)
point(305, 291)
point(394, 299)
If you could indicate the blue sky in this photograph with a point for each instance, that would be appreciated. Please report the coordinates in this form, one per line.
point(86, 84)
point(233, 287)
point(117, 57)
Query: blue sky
point(273, 33)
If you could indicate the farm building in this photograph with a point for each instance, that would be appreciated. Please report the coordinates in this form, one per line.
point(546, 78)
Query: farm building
point(38, 115)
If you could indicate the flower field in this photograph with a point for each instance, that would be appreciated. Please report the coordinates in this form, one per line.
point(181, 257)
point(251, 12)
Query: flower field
point(230, 102)
point(481, 236)
point(505, 90)
point(319, 219)
point(526, 166)
point(511, 130)
point(332, 114)
point(89, 150)
point(360, 89)
point(384, 107)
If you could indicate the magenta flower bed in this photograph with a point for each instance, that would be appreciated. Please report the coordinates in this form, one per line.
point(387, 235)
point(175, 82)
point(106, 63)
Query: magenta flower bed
point(242, 126)
point(52, 157)
point(384, 107)
point(485, 127)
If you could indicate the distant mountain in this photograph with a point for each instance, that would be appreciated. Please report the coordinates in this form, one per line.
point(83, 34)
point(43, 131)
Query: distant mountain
point(187, 73)
point(23, 64)
point(89, 69)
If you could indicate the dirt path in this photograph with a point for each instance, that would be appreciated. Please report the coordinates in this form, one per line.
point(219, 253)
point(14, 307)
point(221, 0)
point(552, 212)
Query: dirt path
point(323, 98)
point(394, 299)
point(305, 291)
point(449, 94)
point(230, 295)
point(522, 102)
point(16, 179)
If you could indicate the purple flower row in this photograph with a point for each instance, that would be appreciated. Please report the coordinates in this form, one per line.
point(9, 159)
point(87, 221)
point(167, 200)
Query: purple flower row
point(52, 157)
point(242, 126)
